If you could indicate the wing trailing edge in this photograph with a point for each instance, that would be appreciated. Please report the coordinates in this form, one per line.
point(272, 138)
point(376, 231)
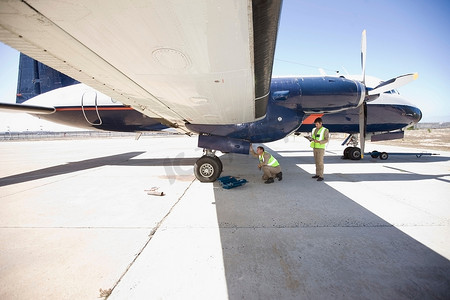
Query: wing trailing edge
point(29, 109)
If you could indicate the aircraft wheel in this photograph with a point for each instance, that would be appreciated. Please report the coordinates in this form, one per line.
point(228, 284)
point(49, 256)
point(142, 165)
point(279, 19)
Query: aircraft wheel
point(346, 151)
point(384, 156)
point(375, 154)
point(207, 169)
point(354, 153)
point(220, 163)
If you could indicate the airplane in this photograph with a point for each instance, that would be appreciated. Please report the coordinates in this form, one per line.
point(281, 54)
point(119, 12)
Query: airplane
point(201, 68)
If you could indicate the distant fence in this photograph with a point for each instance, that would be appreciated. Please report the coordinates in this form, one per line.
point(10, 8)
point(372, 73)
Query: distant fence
point(50, 135)
point(432, 125)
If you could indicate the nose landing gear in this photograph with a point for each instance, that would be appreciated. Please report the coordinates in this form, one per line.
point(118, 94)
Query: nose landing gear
point(354, 153)
point(208, 167)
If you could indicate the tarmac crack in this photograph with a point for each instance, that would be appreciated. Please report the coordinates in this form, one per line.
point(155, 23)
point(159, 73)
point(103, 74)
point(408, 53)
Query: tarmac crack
point(150, 236)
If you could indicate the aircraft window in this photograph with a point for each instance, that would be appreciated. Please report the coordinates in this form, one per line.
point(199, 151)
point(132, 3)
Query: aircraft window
point(391, 92)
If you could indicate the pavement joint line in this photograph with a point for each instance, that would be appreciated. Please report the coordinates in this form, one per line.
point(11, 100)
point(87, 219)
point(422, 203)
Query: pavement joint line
point(152, 233)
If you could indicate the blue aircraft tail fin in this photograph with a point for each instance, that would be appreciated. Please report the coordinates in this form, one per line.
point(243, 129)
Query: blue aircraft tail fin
point(36, 78)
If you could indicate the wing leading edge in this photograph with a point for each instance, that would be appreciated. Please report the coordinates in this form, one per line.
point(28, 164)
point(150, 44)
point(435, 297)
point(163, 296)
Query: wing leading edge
point(204, 62)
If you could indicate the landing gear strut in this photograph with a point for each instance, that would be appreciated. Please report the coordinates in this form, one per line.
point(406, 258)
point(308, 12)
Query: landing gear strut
point(208, 167)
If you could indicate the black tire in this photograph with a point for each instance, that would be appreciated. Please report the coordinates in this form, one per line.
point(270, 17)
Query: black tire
point(354, 153)
point(220, 163)
point(374, 154)
point(384, 156)
point(207, 169)
point(346, 151)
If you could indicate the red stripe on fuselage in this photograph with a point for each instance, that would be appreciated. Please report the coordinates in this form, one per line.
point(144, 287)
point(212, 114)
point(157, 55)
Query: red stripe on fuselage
point(310, 119)
point(78, 108)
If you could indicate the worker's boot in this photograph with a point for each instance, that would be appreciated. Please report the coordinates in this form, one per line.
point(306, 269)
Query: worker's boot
point(279, 176)
point(270, 180)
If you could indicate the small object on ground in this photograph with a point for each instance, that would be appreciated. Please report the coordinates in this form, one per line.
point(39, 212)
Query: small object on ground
point(229, 182)
point(154, 191)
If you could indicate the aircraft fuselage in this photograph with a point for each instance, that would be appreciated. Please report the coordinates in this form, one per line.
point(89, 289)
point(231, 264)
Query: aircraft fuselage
point(292, 100)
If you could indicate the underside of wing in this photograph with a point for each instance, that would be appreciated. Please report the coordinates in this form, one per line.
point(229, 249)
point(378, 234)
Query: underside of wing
point(203, 62)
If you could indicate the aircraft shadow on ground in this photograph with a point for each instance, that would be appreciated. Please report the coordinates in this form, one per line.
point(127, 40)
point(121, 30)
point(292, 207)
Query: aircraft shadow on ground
point(399, 175)
point(334, 157)
point(129, 160)
point(300, 239)
point(124, 159)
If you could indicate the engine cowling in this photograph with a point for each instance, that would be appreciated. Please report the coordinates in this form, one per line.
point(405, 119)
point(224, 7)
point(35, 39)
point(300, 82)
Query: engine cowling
point(318, 94)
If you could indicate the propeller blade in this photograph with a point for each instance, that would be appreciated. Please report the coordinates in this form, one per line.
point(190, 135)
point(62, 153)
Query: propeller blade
point(393, 83)
point(363, 55)
point(362, 127)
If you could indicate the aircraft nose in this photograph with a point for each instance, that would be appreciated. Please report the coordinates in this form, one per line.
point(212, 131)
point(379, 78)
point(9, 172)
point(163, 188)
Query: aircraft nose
point(415, 114)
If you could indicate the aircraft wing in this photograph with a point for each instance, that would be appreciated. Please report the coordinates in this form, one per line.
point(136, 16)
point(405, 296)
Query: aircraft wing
point(29, 109)
point(201, 61)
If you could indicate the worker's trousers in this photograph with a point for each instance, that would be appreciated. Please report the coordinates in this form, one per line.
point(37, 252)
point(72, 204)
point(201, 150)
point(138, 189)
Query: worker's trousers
point(270, 171)
point(318, 158)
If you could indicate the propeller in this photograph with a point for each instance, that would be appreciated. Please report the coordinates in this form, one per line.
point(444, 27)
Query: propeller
point(363, 106)
point(393, 83)
point(375, 92)
point(363, 55)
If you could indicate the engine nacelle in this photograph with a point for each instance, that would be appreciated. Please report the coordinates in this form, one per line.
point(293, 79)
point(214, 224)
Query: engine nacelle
point(224, 144)
point(318, 94)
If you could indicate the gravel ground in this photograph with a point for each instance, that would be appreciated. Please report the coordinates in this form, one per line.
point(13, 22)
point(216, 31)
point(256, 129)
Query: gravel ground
point(433, 139)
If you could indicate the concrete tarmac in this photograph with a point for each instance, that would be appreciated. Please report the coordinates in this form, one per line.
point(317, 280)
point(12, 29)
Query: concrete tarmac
point(76, 223)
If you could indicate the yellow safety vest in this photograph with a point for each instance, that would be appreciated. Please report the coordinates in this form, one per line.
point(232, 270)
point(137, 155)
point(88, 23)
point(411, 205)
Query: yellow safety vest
point(320, 136)
point(272, 161)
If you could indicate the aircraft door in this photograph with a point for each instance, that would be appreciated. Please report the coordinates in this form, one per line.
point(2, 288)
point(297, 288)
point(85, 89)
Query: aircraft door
point(89, 107)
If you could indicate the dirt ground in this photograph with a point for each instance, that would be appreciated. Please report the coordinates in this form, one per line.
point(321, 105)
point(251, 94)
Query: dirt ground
point(433, 139)
point(430, 139)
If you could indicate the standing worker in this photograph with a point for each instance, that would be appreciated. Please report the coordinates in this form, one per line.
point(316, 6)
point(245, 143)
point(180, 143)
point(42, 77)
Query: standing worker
point(319, 137)
point(268, 164)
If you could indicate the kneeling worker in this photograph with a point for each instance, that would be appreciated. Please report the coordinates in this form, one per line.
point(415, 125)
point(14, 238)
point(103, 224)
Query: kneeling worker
point(268, 164)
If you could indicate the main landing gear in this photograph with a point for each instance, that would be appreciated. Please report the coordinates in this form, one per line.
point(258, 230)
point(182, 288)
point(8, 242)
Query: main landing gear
point(208, 167)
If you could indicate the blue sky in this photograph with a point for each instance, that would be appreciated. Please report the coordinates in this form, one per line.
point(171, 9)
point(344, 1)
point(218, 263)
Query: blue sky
point(402, 37)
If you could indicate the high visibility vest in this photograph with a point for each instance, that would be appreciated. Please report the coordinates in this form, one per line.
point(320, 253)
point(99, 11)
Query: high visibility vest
point(272, 161)
point(320, 136)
